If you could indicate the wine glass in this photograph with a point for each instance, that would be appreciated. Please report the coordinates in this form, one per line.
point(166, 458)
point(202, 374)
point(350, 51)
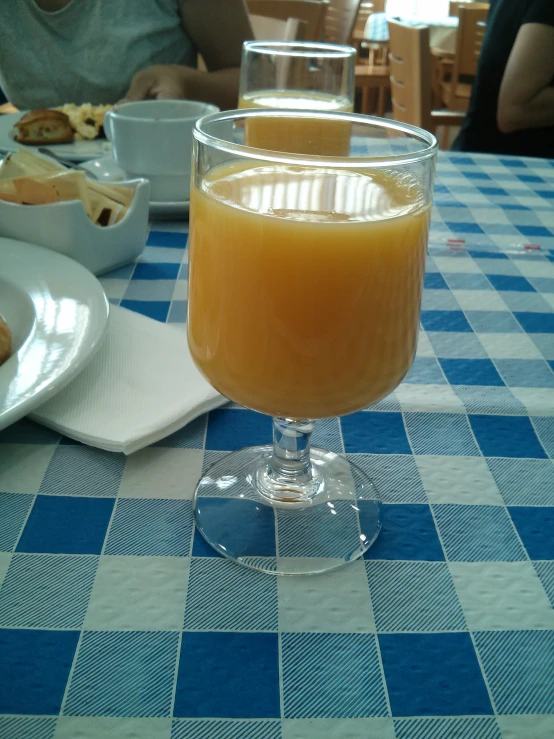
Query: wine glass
point(305, 286)
point(300, 76)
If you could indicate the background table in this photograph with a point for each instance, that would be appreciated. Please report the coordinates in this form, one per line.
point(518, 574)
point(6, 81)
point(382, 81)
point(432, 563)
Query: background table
point(442, 32)
point(118, 621)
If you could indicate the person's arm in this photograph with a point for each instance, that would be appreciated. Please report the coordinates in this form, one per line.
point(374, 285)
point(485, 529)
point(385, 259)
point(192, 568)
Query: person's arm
point(217, 28)
point(526, 98)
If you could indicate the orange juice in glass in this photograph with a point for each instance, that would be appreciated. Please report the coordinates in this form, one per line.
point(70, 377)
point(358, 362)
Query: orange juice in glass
point(298, 76)
point(305, 287)
point(338, 325)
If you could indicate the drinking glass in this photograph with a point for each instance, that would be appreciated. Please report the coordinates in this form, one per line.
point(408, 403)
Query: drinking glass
point(301, 76)
point(305, 287)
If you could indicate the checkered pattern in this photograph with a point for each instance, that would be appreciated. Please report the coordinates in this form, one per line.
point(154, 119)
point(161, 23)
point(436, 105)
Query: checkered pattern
point(116, 619)
point(377, 27)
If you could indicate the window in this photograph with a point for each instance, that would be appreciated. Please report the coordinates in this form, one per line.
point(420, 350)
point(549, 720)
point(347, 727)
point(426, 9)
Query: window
point(425, 9)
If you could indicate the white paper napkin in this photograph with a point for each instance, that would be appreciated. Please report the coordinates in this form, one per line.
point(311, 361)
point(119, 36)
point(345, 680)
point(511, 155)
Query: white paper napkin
point(140, 386)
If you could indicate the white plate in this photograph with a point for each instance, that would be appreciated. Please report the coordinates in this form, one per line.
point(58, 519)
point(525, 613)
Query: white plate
point(57, 313)
point(77, 151)
point(106, 170)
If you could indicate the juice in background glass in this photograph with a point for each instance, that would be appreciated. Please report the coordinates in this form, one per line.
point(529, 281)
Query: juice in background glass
point(310, 136)
point(305, 285)
point(296, 100)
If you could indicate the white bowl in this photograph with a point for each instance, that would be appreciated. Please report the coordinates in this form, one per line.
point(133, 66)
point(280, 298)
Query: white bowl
point(66, 228)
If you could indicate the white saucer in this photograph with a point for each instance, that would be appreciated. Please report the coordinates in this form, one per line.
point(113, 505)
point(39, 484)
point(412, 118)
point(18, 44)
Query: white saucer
point(177, 210)
point(106, 170)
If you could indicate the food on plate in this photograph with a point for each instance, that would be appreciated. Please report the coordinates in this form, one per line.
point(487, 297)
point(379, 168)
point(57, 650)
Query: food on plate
point(44, 127)
point(5, 341)
point(24, 162)
point(62, 125)
point(29, 179)
point(86, 120)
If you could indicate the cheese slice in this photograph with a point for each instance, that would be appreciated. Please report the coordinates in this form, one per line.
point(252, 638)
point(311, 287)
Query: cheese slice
point(24, 163)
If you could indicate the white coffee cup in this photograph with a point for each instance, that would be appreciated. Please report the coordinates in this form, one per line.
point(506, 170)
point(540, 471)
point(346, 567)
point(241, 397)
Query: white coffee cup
point(153, 139)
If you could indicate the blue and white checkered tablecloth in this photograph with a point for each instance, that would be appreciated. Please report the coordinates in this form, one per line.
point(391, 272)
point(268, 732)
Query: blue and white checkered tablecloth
point(117, 620)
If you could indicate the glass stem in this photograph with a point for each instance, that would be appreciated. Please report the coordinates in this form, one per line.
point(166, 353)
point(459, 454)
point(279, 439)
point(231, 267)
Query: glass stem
point(289, 476)
point(291, 449)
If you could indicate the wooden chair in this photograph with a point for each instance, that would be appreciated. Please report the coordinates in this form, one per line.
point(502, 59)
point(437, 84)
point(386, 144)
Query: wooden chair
point(456, 91)
point(274, 29)
point(311, 11)
point(410, 80)
point(442, 63)
point(340, 20)
point(373, 80)
point(364, 11)
point(373, 53)
point(376, 52)
point(372, 71)
point(454, 6)
point(271, 29)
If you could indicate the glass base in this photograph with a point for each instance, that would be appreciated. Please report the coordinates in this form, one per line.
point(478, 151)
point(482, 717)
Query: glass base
point(286, 536)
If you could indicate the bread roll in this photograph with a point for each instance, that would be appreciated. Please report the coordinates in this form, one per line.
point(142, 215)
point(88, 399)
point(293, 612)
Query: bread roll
point(44, 127)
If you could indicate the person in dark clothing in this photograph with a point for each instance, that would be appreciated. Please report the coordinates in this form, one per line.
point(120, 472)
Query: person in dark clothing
point(511, 110)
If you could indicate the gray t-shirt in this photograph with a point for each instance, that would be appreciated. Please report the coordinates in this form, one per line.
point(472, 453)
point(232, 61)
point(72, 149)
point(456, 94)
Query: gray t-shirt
point(87, 52)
